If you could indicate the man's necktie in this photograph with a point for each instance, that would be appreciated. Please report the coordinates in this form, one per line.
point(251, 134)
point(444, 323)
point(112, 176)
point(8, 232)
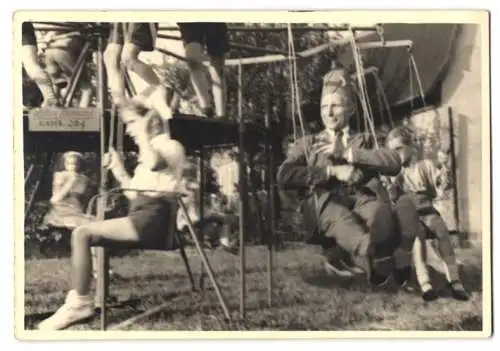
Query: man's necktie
point(339, 147)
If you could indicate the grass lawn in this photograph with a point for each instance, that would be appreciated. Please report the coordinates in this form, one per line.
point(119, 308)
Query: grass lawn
point(304, 297)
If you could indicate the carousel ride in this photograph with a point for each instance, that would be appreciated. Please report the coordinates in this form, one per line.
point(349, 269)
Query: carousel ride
point(96, 129)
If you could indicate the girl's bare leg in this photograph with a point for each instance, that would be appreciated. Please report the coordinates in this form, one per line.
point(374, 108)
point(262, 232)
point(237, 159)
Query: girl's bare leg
point(67, 62)
point(216, 71)
point(198, 74)
point(130, 59)
point(115, 77)
point(79, 303)
point(39, 76)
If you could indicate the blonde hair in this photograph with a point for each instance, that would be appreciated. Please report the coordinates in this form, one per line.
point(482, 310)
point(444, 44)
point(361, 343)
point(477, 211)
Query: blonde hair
point(68, 154)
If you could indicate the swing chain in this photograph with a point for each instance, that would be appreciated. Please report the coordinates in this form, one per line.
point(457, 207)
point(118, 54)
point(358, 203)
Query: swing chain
point(380, 32)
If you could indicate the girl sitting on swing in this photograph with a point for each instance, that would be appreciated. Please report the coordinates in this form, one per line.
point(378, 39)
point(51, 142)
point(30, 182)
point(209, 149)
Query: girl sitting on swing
point(161, 162)
point(61, 57)
point(70, 187)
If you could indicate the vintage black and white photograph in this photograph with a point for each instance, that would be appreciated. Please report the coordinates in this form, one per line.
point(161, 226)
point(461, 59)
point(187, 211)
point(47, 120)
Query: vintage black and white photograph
point(253, 175)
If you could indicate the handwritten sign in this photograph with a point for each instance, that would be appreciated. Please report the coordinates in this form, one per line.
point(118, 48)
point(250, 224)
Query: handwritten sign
point(64, 120)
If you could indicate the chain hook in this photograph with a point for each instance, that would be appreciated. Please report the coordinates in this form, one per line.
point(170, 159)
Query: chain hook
point(380, 32)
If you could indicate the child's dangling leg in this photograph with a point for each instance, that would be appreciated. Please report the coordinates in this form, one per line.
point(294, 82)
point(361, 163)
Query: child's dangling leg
point(193, 39)
point(217, 46)
point(112, 61)
point(141, 37)
point(423, 278)
point(32, 66)
point(199, 77)
point(436, 224)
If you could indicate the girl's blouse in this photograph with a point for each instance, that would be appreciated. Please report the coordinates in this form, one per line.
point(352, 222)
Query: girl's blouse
point(158, 182)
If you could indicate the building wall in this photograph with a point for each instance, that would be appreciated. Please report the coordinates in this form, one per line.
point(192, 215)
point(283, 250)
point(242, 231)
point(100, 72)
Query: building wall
point(461, 91)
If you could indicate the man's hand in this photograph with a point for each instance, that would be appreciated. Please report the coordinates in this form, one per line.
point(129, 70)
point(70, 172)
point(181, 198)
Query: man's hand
point(318, 176)
point(344, 173)
point(329, 149)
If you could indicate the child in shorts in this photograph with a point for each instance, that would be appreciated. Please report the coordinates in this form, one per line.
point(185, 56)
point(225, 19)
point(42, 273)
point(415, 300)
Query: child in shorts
point(29, 56)
point(214, 36)
point(160, 168)
point(418, 182)
point(126, 41)
point(61, 56)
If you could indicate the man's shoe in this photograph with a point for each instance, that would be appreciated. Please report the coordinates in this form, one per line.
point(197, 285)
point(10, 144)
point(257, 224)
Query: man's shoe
point(458, 291)
point(336, 267)
point(348, 263)
point(376, 279)
point(429, 295)
point(402, 276)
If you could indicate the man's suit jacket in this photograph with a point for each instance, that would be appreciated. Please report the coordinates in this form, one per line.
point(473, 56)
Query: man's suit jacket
point(307, 175)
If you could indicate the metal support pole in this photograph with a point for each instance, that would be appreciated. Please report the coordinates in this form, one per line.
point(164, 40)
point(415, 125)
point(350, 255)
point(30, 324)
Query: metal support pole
point(270, 195)
point(201, 193)
point(77, 74)
point(102, 257)
point(242, 191)
point(204, 259)
point(456, 210)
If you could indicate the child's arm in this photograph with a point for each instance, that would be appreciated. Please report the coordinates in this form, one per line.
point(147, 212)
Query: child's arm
point(114, 163)
point(433, 176)
point(171, 152)
point(121, 175)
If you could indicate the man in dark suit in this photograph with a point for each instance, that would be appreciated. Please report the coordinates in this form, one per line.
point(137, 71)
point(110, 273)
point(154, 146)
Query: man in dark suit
point(345, 207)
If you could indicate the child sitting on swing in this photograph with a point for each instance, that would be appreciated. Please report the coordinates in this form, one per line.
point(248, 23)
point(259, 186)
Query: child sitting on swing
point(214, 36)
point(161, 162)
point(126, 41)
point(61, 56)
point(31, 65)
point(70, 190)
point(417, 185)
point(70, 186)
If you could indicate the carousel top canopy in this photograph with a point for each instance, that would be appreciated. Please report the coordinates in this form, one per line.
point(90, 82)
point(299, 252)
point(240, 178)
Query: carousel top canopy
point(432, 50)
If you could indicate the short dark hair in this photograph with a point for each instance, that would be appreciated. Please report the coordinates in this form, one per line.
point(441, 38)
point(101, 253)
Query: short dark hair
point(401, 132)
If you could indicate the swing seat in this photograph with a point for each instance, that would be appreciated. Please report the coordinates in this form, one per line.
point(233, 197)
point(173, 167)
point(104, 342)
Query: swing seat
point(67, 119)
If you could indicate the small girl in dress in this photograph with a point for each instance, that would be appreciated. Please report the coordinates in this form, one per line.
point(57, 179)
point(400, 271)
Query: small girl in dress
point(70, 192)
point(70, 187)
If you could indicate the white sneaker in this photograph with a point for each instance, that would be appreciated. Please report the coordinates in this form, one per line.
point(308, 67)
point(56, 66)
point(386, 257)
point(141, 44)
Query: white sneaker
point(75, 309)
